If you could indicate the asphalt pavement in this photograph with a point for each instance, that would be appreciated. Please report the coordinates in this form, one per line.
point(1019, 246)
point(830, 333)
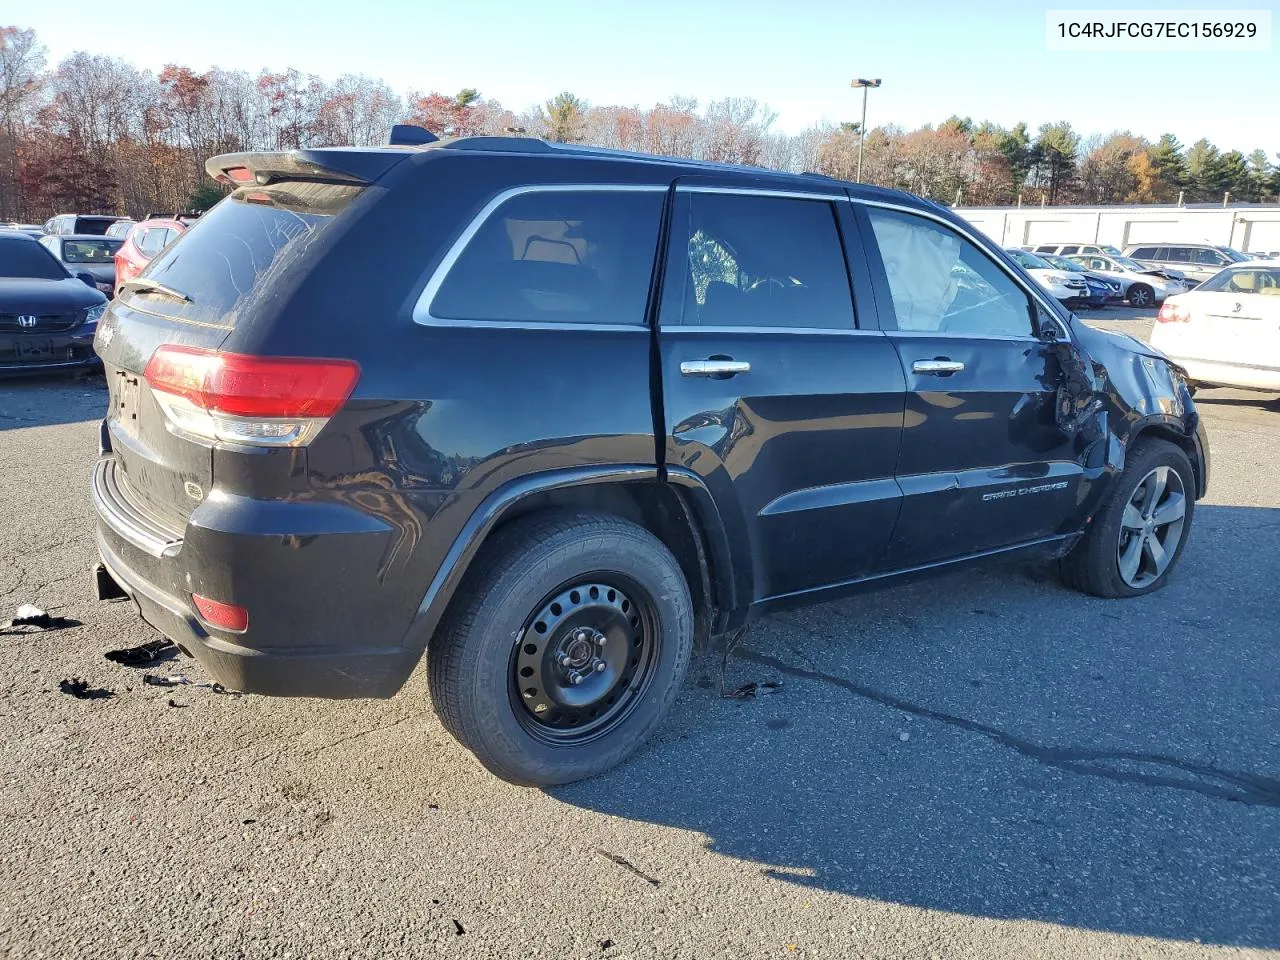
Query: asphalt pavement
point(980, 765)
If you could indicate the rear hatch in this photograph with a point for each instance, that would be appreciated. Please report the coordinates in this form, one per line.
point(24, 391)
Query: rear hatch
point(237, 260)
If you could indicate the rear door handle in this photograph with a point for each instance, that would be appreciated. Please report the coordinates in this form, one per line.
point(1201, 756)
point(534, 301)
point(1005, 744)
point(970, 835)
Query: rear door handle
point(940, 367)
point(714, 368)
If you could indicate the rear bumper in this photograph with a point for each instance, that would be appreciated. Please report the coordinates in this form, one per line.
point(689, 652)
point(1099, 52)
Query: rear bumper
point(314, 628)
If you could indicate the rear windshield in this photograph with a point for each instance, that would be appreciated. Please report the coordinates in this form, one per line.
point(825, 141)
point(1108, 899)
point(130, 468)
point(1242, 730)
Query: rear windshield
point(89, 251)
point(230, 257)
point(26, 258)
point(94, 225)
point(1264, 280)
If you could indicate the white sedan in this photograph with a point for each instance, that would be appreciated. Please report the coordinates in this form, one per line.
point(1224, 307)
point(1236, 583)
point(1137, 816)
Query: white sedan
point(1142, 286)
point(1226, 332)
point(1066, 286)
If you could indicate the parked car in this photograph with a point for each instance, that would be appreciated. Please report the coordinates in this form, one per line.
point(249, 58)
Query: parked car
point(30, 228)
point(1226, 332)
point(121, 228)
point(1103, 290)
point(87, 254)
point(47, 316)
point(522, 445)
point(1063, 249)
point(1196, 261)
point(71, 223)
point(1070, 288)
point(144, 241)
point(1143, 286)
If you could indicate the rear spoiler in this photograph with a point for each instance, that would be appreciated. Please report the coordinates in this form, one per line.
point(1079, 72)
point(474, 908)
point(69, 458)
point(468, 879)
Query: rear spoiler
point(354, 165)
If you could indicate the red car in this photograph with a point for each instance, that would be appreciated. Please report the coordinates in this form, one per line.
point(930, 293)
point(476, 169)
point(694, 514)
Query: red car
point(145, 240)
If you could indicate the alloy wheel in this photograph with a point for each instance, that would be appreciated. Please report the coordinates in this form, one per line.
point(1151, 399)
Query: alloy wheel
point(1151, 527)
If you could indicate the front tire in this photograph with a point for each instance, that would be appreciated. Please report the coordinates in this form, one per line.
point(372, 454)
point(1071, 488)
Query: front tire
point(1141, 295)
point(1138, 534)
point(565, 647)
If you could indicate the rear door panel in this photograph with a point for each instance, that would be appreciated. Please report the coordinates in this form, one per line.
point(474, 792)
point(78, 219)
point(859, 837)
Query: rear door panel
point(799, 451)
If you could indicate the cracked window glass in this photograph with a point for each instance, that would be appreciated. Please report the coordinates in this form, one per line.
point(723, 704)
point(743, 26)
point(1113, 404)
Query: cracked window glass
point(229, 259)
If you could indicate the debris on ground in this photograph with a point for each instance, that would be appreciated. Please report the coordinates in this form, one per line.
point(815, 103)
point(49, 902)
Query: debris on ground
point(605, 945)
point(178, 680)
point(458, 929)
point(152, 652)
point(80, 689)
point(749, 690)
point(29, 615)
point(628, 865)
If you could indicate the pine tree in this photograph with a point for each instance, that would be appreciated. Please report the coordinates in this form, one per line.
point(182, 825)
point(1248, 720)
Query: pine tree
point(1170, 167)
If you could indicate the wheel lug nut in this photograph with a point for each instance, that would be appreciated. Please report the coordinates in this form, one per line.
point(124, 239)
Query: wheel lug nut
point(576, 679)
point(599, 666)
point(600, 639)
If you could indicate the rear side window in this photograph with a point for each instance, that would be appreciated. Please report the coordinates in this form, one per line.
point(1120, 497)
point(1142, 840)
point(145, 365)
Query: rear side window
point(1071, 248)
point(231, 257)
point(740, 260)
point(577, 256)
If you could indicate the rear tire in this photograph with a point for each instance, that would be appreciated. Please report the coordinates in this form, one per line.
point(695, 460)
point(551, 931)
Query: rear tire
point(1127, 551)
point(1141, 295)
point(564, 648)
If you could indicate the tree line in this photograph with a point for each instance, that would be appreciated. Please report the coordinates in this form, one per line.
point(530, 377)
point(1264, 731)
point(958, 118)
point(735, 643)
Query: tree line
point(95, 134)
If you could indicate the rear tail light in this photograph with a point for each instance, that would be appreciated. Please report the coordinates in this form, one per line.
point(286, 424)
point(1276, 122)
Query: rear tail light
point(1172, 313)
point(263, 401)
point(224, 616)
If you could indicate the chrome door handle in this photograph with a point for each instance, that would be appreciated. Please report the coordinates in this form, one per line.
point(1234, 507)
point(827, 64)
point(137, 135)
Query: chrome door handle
point(937, 368)
point(714, 368)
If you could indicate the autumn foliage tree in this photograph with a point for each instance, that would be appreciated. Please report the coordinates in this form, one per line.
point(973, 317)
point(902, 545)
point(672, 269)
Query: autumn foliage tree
point(95, 134)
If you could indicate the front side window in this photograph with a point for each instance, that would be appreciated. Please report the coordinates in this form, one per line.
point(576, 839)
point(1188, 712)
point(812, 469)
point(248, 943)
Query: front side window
point(1211, 258)
point(941, 282)
point(741, 260)
point(1071, 248)
point(1144, 253)
point(557, 256)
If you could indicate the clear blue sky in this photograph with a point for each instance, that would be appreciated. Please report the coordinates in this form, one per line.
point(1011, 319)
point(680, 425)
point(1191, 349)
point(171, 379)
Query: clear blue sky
point(936, 57)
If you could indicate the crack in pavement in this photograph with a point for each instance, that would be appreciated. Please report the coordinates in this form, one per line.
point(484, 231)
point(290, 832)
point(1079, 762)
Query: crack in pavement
point(1247, 788)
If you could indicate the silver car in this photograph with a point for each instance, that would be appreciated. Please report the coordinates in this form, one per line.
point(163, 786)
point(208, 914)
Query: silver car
point(1197, 261)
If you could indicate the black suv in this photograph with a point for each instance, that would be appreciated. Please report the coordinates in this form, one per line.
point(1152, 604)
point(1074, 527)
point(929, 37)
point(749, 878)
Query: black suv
point(553, 414)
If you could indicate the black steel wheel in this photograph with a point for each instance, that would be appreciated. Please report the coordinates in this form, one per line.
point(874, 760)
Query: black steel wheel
point(584, 659)
point(564, 647)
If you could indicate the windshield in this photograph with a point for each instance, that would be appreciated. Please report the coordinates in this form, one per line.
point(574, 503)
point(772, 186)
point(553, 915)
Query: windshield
point(1264, 280)
point(1029, 260)
point(1108, 248)
point(1126, 264)
point(26, 258)
point(90, 251)
point(1062, 263)
point(1234, 255)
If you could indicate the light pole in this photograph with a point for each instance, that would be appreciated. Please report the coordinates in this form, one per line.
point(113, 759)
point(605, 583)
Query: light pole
point(862, 128)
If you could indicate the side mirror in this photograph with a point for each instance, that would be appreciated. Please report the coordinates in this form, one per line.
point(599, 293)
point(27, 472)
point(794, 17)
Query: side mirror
point(88, 278)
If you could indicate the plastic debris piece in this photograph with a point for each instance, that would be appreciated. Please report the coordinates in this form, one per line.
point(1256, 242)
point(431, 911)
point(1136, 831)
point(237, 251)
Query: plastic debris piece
point(458, 928)
point(605, 945)
point(628, 865)
point(155, 680)
point(174, 703)
point(151, 652)
point(904, 736)
point(80, 689)
point(29, 615)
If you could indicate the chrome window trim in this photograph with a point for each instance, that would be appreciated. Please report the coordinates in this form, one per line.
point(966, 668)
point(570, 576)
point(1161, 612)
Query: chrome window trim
point(422, 308)
point(975, 238)
point(723, 330)
point(780, 192)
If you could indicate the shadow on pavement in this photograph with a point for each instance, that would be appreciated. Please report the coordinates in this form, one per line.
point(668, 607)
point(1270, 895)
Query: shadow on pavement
point(36, 401)
point(992, 744)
